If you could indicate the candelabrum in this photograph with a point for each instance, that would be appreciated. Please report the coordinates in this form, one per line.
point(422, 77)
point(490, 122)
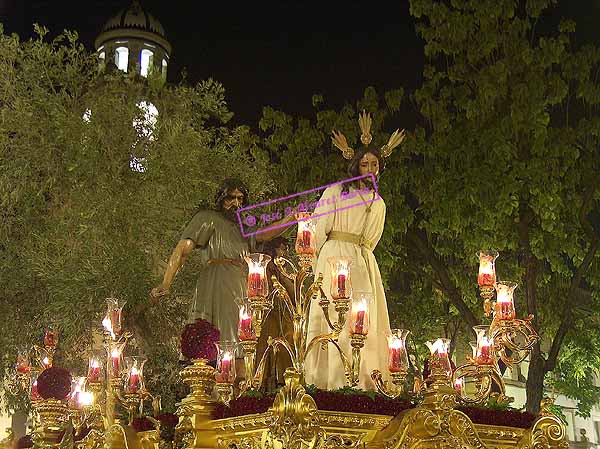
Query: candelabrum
point(397, 366)
point(31, 362)
point(91, 407)
point(507, 338)
point(307, 289)
point(482, 370)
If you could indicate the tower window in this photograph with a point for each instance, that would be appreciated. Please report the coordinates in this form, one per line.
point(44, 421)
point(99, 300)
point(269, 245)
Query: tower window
point(121, 58)
point(145, 61)
point(164, 68)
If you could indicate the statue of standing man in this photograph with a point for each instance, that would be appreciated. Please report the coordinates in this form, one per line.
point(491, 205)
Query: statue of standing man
point(222, 278)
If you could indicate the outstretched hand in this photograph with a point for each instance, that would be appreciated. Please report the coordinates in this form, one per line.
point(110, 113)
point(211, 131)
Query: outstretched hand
point(158, 292)
point(301, 216)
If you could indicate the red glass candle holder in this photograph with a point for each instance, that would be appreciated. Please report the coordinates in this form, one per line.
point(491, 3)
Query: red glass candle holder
point(134, 381)
point(505, 306)
point(50, 337)
point(257, 275)
point(245, 328)
point(112, 320)
point(359, 313)
point(305, 238)
point(341, 287)
point(397, 354)
point(95, 368)
point(23, 365)
point(440, 349)
point(115, 356)
point(487, 268)
point(225, 372)
point(484, 351)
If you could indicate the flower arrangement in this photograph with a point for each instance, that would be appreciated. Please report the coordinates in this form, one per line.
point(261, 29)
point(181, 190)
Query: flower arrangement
point(54, 383)
point(198, 340)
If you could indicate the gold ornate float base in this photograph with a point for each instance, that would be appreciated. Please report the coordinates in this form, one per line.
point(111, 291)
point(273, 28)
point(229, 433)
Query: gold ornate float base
point(417, 428)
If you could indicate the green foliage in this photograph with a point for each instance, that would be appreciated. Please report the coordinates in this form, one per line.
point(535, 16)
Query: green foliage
point(509, 157)
point(77, 224)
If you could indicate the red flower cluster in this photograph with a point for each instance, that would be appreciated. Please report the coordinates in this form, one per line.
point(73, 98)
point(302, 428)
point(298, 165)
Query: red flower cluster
point(142, 424)
point(509, 418)
point(24, 442)
point(325, 400)
point(244, 405)
point(54, 383)
point(168, 420)
point(359, 403)
point(198, 340)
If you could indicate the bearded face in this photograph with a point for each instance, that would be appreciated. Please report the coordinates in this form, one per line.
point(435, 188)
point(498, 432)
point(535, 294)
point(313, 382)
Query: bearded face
point(232, 202)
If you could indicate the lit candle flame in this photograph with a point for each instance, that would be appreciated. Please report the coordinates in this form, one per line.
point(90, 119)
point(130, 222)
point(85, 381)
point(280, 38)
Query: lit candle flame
point(396, 343)
point(107, 323)
point(86, 398)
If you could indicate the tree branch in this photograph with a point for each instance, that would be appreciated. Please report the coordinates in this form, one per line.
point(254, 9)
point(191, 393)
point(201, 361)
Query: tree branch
point(567, 315)
point(448, 287)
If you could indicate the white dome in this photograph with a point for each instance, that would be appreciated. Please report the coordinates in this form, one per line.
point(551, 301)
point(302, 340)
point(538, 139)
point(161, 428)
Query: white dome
point(135, 17)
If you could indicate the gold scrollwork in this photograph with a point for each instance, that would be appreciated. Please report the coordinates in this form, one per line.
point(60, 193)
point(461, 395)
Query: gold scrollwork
point(295, 423)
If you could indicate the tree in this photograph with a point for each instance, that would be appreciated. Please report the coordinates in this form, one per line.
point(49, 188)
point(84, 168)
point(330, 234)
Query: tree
point(510, 160)
point(77, 223)
point(506, 158)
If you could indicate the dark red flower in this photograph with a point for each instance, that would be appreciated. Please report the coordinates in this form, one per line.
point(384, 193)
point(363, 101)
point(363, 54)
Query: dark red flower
point(168, 419)
point(24, 442)
point(509, 418)
point(142, 424)
point(198, 340)
point(55, 383)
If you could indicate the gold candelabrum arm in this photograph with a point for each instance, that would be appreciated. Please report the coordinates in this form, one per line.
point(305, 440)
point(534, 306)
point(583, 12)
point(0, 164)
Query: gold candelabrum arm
point(397, 387)
point(484, 377)
point(513, 339)
point(298, 307)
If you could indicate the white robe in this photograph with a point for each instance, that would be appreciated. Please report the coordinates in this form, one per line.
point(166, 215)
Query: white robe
point(324, 367)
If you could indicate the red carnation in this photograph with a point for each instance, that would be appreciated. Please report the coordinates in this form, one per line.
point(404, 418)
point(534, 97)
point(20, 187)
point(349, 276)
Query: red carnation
point(198, 340)
point(54, 383)
point(142, 424)
point(168, 419)
point(24, 442)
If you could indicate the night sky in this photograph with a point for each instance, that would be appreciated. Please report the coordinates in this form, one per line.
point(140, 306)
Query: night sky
point(276, 53)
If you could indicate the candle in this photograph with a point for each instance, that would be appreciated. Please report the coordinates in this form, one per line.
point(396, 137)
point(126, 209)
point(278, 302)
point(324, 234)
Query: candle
point(440, 347)
point(505, 309)
point(458, 385)
point(484, 354)
point(23, 366)
point(487, 268)
point(396, 355)
point(254, 284)
point(226, 367)
point(94, 370)
point(134, 380)
point(115, 355)
point(304, 238)
point(46, 362)
point(360, 317)
point(341, 283)
point(359, 322)
point(50, 337)
point(245, 331)
point(34, 392)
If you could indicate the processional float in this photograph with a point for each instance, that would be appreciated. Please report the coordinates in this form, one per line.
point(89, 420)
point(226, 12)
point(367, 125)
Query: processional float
point(88, 416)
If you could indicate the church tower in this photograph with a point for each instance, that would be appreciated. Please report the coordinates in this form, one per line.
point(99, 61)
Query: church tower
point(134, 40)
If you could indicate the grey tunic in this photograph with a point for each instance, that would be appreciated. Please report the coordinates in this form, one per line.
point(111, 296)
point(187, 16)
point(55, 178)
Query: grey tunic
point(218, 285)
